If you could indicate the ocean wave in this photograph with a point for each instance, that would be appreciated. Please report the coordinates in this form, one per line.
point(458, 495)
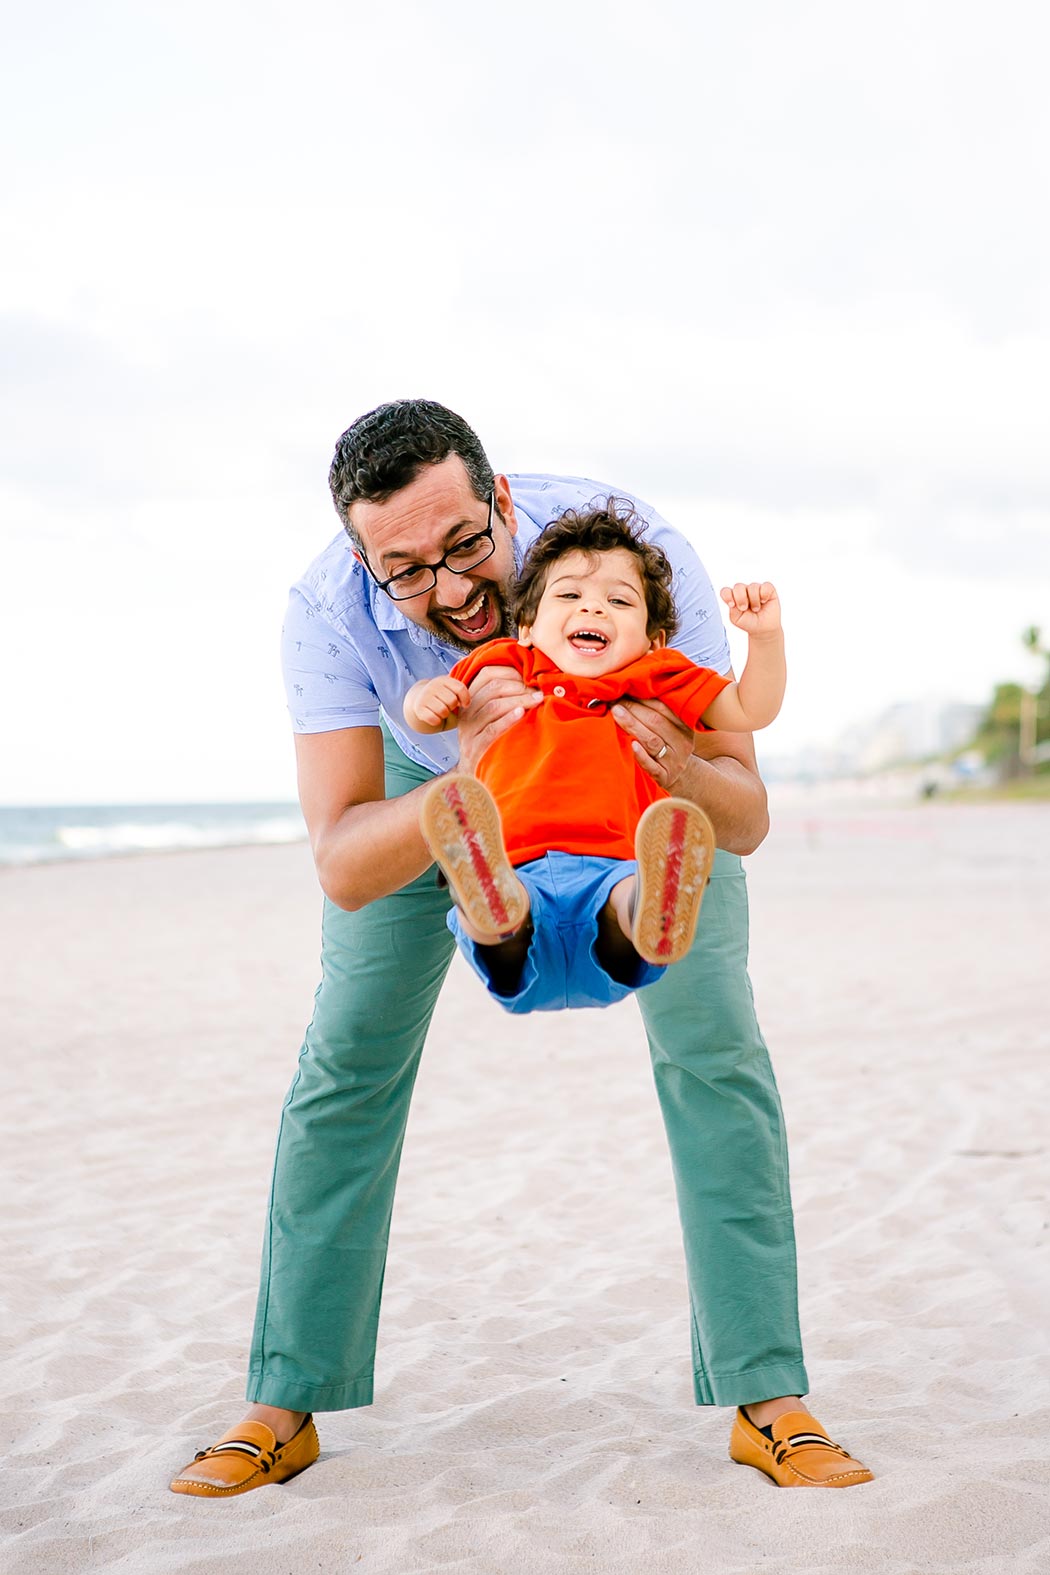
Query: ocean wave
point(42, 836)
point(131, 837)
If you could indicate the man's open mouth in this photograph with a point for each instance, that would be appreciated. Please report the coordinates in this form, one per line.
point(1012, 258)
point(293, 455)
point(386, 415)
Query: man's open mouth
point(477, 620)
point(592, 641)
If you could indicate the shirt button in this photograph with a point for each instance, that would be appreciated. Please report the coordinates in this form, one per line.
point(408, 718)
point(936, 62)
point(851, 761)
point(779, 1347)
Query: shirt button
point(559, 691)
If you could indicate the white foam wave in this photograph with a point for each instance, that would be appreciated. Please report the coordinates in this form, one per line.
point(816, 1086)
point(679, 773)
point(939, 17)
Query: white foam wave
point(138, 836)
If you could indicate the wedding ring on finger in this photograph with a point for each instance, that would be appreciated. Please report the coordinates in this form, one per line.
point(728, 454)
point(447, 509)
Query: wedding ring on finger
point(661, 752)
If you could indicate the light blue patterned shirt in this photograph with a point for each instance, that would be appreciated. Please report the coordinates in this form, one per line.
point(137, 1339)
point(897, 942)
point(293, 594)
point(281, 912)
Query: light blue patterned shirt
point(350, 656)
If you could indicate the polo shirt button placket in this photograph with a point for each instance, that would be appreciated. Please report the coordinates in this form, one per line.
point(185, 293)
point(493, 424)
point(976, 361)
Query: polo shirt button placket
point(559, 690)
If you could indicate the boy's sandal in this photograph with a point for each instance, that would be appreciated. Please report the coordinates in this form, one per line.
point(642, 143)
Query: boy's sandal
point(675, 848)
point(461, 826)
point(247, 1457)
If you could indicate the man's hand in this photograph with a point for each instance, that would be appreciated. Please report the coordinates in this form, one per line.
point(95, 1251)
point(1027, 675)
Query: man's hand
point(663, 746)
point(754, 608)
point(498, 699)
point(718, 771)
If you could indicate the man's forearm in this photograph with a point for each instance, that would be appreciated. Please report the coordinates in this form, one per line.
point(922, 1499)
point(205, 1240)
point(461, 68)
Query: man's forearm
point(372, 850)
point(376, 847)
point(733, 796)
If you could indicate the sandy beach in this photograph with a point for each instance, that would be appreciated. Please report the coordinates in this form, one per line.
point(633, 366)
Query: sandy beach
point(534, 1407)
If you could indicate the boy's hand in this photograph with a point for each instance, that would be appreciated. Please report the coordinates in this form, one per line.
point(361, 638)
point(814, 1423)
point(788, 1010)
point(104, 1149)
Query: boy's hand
point(442, 698)
point(754, 608)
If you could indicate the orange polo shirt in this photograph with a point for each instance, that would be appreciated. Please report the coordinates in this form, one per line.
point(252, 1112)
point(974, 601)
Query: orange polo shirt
point(565, 777)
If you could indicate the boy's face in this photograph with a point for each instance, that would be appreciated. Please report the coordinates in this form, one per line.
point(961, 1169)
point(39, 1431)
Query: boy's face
point(592, 615)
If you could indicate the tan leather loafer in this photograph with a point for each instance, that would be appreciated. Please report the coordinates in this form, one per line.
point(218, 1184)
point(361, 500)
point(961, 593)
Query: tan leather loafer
point(247, 1457)
point(800, 1453)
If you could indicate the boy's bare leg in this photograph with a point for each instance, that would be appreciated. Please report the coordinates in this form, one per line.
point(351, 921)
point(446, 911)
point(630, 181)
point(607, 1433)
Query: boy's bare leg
point(503, 956)
point(614, 949)
point(491, 938)
point(620, 905)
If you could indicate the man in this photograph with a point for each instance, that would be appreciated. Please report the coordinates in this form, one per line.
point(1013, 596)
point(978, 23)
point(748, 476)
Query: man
point(435, 539)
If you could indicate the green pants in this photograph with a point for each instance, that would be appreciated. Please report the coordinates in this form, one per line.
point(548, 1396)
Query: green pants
point(343, 1123)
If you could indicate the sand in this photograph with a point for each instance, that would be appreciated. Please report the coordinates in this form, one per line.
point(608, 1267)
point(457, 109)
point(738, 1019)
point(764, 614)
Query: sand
point(534, 1406)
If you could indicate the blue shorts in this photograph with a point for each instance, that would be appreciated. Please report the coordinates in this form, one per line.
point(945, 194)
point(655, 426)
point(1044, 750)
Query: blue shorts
point(567, 892)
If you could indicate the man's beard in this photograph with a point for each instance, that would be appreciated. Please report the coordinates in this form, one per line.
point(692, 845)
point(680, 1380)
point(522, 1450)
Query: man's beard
point(445, 629)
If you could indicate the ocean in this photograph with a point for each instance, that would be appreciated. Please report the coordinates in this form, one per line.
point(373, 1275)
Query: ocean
point(37, 835)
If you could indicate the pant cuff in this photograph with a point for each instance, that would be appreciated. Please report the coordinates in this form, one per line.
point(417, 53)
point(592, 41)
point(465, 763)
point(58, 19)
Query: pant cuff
point(750, 1387)
point(292, 1394)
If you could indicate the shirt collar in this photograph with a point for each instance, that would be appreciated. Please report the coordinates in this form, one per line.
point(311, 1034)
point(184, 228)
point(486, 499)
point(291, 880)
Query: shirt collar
point(538, 668)
point(385, 611)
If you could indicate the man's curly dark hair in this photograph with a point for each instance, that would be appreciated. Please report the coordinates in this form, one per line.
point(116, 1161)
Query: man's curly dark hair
point(386, 449)
point(603, 526)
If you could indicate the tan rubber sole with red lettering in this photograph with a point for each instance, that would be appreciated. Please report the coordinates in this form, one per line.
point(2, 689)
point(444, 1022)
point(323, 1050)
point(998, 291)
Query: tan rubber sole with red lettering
point(460, 822)
point(675, 848)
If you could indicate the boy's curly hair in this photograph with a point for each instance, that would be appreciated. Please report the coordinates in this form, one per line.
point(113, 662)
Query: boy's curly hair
point(602, 527)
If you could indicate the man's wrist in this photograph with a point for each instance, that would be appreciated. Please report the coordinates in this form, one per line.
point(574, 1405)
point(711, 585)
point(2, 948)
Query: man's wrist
point(732, 795)
point(689, 782)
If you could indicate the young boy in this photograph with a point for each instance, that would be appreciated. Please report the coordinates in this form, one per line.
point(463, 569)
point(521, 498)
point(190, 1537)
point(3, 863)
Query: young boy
point(592, 883)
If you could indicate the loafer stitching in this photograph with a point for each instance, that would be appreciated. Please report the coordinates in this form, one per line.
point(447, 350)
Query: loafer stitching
point(839, 1476)
point(200, 1488)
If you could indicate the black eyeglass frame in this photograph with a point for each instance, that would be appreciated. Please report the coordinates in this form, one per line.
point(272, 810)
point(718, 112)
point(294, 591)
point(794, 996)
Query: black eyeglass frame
point(442, 563)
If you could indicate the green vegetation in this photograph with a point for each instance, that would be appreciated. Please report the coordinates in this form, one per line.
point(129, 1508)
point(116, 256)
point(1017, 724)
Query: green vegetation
point(1026, 789)
point(998, 735)
point(1013, 735)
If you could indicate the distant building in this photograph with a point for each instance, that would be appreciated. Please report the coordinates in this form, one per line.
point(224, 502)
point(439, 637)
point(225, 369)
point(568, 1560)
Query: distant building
point(909, 732)
point(913, 730)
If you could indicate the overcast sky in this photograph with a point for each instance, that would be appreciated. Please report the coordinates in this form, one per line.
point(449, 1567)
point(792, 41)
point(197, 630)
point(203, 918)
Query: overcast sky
point(781, 269)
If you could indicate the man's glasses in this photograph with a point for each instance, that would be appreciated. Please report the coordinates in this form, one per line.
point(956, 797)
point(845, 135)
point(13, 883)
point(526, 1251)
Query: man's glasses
point(463, 556)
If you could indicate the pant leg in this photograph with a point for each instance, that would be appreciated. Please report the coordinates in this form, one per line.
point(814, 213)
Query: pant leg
point(339, 1142)
point(725, 1129)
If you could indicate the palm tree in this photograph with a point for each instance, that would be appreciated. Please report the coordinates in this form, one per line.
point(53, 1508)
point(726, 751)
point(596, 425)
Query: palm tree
point(1032, 639)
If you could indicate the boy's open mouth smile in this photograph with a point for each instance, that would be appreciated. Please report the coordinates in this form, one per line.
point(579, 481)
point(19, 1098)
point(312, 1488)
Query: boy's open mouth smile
point(592, 641)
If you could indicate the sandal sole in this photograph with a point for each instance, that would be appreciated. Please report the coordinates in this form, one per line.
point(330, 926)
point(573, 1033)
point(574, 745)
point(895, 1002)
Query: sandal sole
point(461, 825)
point(675, 848)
